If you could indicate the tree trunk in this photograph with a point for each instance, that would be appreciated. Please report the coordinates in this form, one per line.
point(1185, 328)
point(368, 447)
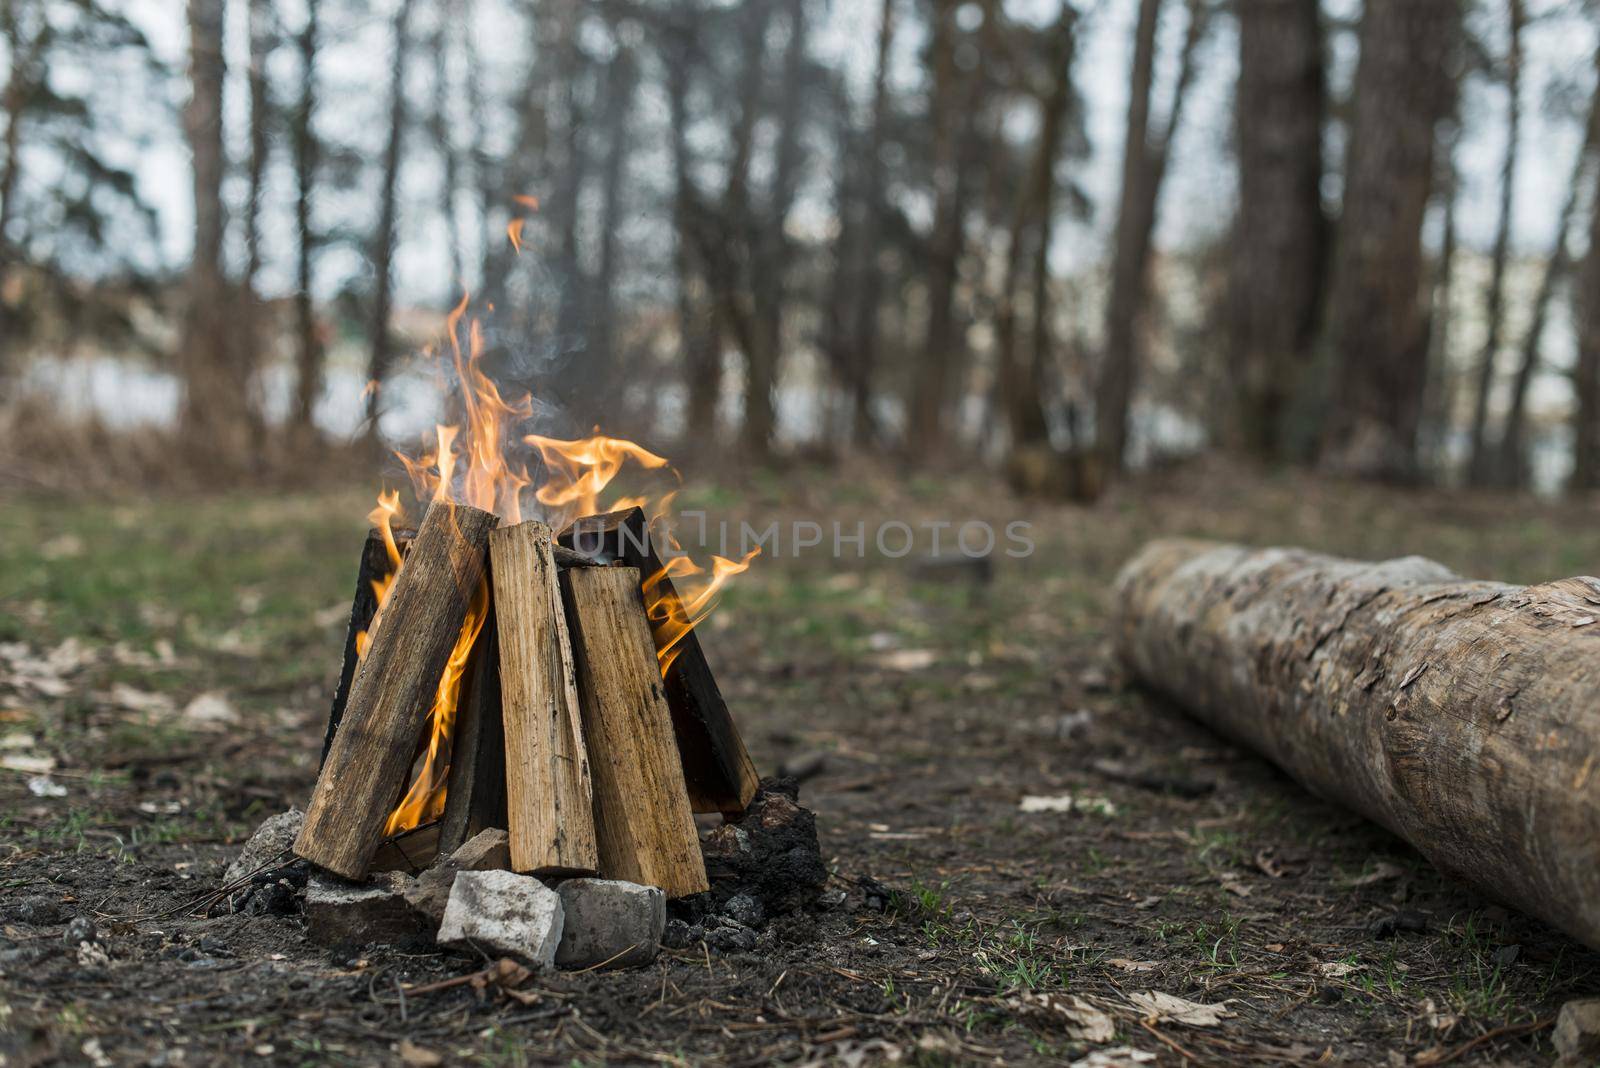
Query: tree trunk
point(1479, 467)
point(13, 103)
point(1144, 165)
point(261, 41)
point(771, 260)
point(864, 330)
point(1438, 399)
point(1377, 314)
point(1513, 460)
point(951, 107)
point(1279, 240)
point(216, 418)
point(1586, 376)
point(622, 80)
point(1460, 715)
point(308, 345)
point(383, 240)
point(440, 129)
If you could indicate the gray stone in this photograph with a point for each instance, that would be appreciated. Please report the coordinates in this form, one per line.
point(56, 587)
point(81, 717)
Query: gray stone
point(270, 842)
point(343, 913)
point(1577, 1037)
point(486, 851)
point(504, 914)
point(745, 909)
point(610, 922)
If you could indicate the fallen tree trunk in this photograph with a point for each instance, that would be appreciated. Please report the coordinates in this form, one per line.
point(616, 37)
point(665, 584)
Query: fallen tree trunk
point(1464, 716)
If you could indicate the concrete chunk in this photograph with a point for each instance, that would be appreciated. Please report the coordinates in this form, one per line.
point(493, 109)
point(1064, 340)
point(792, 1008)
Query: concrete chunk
point(485, 851)
point(610, 921)
point(270, 842)
point(503, 914)
point(342, 913)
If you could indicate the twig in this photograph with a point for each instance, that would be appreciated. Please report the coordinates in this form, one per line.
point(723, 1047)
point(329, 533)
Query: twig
point(1169, 1043)
point(1427, 1057)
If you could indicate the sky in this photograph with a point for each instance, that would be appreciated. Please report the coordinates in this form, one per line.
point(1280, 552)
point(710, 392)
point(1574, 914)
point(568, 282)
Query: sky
point(1195, 203)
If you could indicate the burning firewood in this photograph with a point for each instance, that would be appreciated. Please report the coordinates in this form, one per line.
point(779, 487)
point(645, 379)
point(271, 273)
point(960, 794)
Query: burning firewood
point(550, 800)
point(644, 826)
point(475, 797)
point(372, 574)
point(716, 766)
point(376, 740)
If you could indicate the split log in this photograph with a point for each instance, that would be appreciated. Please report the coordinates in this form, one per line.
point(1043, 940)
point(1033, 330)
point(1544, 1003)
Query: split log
point(716, 765)
point(475, 793)
point(644, 827)
point(550, 802)
point(393, 689)
point(373, 568)
point(1464, 716)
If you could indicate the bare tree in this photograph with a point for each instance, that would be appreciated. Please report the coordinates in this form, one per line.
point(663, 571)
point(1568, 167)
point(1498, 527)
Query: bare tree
point(864, 330)
point(262, 34)
point(303, 137)
point(1278, 249)
point(22, 48)
point(1586, 376)
point(1377, 312)
point(622, 81)
point(217, 420)
point(1511, 464)
point(384, 236)
point(441, 130)
point(1479, 468)
point(1144, 163)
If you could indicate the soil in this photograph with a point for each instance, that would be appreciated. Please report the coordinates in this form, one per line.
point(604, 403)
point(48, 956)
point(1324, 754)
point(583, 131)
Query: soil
point(955, 927)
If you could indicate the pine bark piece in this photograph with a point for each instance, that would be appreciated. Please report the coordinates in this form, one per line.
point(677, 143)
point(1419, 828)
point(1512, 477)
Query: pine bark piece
point(386, 714)
point(643, 823)
point(716, 765)
point(374, 566)
point(475, 797)
point(550, 801)
point(1464, 716)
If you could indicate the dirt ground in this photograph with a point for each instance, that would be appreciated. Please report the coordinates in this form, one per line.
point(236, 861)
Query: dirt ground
point(164, 675)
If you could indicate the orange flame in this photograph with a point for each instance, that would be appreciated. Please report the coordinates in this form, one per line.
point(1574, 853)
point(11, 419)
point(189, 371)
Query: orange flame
point(672, 616)
point(514, 232)
point(474, 461)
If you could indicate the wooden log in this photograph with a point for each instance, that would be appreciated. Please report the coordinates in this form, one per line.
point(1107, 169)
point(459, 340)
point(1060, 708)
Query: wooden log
point(643, 823)
point(716, 765)
point(1464, 716)
point(550, 801)
point(393, 689)
point(475, 797)
point(373, 567)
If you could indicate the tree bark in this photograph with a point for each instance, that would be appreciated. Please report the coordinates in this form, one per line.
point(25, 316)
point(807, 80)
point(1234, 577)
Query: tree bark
point(1377, 312)
point(1480, 465)
point(1460, 715)
point(308, 345)
point(864, 329)
point(622, 79)
point(384, 236)
point(1278, 248)
point(1513, 461)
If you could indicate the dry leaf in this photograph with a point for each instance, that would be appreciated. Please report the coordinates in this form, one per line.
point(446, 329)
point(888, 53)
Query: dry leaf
point(413, 1054)
point(1337, 969)
point(1120, 1057)
point(1100, 806)
point(32, 763)
point(210, 710)
point(1134, 965)
point(1232, 885)
point(1168, 1008)
point(907, 659)
point(1082, 1020)
point(1381, 872)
